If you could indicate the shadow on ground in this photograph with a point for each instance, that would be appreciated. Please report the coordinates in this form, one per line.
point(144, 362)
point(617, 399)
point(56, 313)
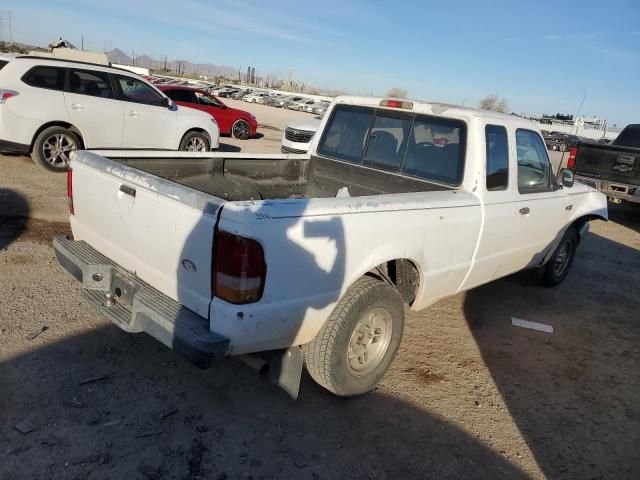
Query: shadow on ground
point(113, 405)
point(14, 215)
point(570, 393)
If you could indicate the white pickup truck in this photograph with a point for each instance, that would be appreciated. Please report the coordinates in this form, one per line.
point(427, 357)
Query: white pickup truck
point(311, 259)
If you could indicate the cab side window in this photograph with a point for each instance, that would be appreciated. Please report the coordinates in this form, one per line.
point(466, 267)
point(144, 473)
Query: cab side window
point(534, 168)
point(85, 82)
point(137, 91)
point(497, 149)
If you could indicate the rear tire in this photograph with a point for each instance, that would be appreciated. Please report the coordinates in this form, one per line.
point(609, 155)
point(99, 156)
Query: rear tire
point(358, 342)
point(195, 142)
point(241, 130)
point(557, 268)
point(52, 148)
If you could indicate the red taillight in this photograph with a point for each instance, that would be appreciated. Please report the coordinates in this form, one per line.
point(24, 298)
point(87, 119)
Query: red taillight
point(70, 190)
point(239, 269)
point(571, 161)
point(6, 95)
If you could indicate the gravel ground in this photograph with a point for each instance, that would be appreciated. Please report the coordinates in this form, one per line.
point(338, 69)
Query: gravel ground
point(469, 395)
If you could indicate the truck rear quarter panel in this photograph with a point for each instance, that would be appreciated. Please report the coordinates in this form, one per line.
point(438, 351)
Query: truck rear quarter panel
point(315, 249)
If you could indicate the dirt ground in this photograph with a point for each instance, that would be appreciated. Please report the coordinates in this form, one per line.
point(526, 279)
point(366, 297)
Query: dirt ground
point(469, 395)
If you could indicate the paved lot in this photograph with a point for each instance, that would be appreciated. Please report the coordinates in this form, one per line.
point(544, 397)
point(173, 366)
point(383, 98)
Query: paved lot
point(469, 396)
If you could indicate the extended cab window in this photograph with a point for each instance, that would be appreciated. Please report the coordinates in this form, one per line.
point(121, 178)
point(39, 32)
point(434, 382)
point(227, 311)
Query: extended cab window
point(134, 90)
point(185, 96)
point(497, 148)
point(51, 78)
point(534, 169)
point(431, 148)
point(3, 63)
point(85, 82)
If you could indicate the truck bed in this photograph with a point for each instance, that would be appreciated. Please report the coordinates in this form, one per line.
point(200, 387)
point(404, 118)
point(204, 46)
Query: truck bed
point(268, 178)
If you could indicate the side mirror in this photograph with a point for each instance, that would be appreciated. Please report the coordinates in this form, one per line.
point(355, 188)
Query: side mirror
point(166, 102)
point(566, 177)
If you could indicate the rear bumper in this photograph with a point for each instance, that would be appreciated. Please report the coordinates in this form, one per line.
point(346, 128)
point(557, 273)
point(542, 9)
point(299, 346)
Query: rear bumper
point(6, 146)
point(612, 189)
point(135, 306)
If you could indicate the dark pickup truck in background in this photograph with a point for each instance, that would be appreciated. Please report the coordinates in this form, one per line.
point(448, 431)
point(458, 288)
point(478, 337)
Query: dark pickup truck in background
point(613, 169)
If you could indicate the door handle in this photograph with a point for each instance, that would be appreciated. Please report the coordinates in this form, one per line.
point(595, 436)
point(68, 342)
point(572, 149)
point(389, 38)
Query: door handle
point(76, 106)
point(133, 113)
point(525, 211)
point(128, 190)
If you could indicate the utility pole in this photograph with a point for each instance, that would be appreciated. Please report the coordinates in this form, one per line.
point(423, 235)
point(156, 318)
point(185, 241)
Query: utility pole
point(82, 42)
point(133, 58)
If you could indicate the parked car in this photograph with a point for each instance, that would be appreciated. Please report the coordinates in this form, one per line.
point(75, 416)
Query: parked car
point(272, 98)
point(241, 93)
point(297, 137)
point(254, 97)
point(317, 108)
point(231, 121)
point(562, 141)
point(282, 102)
point(51, 107)
point(311, 260)
point(298, 104)
point(228, 92)
point(613, 169)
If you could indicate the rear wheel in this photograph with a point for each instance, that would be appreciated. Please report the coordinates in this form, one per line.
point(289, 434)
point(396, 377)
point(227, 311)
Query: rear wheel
point(195, 142)
point(358, 342)
point(241, 130)
point(53, 147)
point(557, 268)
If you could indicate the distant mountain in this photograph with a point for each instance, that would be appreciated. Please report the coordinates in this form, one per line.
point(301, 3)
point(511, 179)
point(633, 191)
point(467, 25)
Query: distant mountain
point(118, 56)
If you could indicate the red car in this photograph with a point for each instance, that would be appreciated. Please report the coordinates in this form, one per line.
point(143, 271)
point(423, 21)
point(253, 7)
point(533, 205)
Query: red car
point(237, 123)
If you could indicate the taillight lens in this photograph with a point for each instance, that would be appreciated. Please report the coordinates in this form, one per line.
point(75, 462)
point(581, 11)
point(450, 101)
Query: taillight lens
point(70, 190)
point(571, 161)
point(239, 269)
point(6, 95)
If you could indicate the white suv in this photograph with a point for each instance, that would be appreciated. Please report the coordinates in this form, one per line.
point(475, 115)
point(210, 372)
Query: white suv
point(50, 107)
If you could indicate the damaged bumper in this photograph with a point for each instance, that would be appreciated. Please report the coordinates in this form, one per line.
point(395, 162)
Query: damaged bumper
point(135, 306)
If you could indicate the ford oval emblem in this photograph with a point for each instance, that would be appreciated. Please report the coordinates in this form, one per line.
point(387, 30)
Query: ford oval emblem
point(189, 265)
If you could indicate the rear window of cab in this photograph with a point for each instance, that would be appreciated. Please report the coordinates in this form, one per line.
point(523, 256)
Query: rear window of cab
point(423, 146)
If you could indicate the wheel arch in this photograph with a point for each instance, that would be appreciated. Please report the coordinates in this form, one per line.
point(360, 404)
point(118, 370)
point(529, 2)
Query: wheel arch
point(58, 123)
point(403, 273)
point(195, 129)
point(579, 223)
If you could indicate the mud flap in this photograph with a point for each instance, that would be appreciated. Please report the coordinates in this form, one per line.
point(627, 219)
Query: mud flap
point(285, 369)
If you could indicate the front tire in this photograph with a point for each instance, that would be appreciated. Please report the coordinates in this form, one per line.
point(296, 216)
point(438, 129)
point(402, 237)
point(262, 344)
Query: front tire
point(557, 268)
point(52, 149)
point(195, 142)
point(241, 130)
point(358, 342)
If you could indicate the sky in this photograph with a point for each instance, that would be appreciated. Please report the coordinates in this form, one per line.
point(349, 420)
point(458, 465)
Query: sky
point(542, 56)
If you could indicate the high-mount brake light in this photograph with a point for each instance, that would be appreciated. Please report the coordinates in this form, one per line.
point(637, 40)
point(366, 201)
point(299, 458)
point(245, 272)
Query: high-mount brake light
point(571, 161)
point(238, 271)
point(397, 104)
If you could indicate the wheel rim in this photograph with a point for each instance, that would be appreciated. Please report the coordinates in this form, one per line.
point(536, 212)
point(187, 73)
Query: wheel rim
point(196, 144)
point(561, 259)
point(57, 148)
point(370, 341)
point(241, 129)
